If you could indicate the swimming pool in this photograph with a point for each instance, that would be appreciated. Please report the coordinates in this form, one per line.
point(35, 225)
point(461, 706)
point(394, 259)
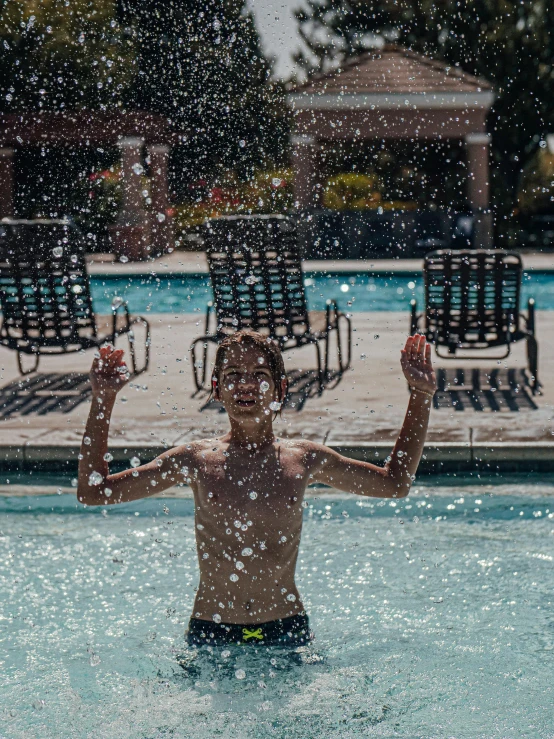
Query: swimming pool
point(354, 292)
point(433, 618)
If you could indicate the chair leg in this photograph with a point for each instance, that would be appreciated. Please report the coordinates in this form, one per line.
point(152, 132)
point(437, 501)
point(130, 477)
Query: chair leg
point(320, 378)
point(23, 371)
point(199, 373)
point(132, 351)
point(533, 363)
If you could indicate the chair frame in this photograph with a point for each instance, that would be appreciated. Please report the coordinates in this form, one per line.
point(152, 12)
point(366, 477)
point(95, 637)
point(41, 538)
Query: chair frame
point(273, 302)
point(46, 300)
point(472, 301)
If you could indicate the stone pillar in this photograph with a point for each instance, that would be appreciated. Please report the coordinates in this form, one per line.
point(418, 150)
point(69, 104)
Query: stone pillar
point(130, 235)
point(305, 172)
point(478, 188)
point(6, 183)
point(162, 222)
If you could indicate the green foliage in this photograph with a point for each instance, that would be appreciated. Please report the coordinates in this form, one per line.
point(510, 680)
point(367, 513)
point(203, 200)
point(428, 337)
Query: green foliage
point(201, 65)
point(58, 54)
point(509, 42)
point(536, 192)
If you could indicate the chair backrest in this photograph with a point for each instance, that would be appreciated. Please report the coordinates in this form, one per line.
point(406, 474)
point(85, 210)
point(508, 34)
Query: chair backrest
point(256, 276)
point(472, 297)
point(44, 286)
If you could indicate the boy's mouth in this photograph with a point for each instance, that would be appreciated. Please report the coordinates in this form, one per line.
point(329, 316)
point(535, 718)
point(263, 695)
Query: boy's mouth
point(245, 402)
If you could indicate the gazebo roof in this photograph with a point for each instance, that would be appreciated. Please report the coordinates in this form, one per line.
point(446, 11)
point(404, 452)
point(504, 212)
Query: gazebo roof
point(393, 70)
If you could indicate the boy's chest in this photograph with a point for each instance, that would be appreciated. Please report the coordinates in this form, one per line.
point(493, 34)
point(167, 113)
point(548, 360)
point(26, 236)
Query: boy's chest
point(252, 484)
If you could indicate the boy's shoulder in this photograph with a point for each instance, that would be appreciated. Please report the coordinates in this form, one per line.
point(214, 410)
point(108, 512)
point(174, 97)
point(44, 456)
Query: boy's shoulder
point(304, 446)
point(192, 449)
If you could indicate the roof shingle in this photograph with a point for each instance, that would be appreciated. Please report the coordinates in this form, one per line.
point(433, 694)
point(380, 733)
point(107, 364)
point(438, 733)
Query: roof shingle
point(393, 69)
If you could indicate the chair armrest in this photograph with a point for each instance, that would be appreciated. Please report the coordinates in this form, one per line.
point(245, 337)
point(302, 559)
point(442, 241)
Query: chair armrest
point(120, 305)
point(331, 305)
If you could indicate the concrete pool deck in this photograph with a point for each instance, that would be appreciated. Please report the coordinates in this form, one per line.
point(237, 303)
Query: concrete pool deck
point(183, 262)
point(360, 417)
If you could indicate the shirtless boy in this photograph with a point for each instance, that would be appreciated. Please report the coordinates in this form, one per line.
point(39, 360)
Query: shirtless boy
point(249, 486)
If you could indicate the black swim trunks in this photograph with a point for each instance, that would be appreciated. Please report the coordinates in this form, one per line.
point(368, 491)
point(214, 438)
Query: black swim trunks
point(292, 631)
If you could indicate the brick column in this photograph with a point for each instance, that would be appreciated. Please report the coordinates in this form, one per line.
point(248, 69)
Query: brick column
point(478, 188)
point(130, 235)
point(162, 222)
point(6, 183)
point(305, 172)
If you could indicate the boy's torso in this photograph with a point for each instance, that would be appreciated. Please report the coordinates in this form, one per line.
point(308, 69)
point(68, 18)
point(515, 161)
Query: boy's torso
point(248, 519)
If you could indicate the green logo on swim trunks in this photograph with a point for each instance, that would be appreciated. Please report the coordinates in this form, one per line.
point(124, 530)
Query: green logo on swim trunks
point(255, 634)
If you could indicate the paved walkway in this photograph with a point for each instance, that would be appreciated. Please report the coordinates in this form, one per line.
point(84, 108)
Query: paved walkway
point(43, 416)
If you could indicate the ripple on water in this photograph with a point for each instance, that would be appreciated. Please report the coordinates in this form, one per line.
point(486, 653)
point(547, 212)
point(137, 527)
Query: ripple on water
point(432, 619)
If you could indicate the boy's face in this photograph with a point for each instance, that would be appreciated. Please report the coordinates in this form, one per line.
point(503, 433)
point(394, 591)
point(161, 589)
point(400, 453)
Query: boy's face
point(245, 385)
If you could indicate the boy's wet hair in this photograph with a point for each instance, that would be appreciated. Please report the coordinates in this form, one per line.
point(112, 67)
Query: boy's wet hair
point(268, 347)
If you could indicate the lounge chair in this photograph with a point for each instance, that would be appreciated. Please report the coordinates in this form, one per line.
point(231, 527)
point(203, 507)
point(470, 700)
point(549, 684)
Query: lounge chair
point(472, 302)
point(257, 282)
point(45, 295)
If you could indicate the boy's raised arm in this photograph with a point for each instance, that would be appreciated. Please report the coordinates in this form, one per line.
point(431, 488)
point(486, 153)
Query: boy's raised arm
point(395, 478)
point(95, 484)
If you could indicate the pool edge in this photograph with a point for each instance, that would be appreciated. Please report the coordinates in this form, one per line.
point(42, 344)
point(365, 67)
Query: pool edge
point(438, 457)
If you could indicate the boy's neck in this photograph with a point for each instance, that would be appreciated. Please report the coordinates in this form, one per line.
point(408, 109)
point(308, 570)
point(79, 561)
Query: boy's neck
point(252, 434)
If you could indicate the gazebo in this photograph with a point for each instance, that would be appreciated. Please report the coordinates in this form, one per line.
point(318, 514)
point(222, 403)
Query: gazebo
point(394, 93)
point(136, 230)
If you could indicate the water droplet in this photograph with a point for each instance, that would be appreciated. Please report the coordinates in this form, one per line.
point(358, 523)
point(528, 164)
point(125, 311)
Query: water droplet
point(86, 440)
point(57, 251)
point(246, 552)
point(95, 478)
point(240, 674)
point(264, 386)
point(251, 280)
point(137, 168)
point(253, 494)
point(135, 462)
point(77, 289)
point(107, 492)
point(376, 336)
point(242, 143)
point(363, 356)
point(291, 597)
point(233, 577)
point(216, 618)
point(226, 653)
point(237, 524)
point(123, 259)
point(108, 457)
point(117, 302)
point(239, 565)
point(275, 405)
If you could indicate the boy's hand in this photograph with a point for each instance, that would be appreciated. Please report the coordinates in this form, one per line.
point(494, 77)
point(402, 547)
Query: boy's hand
point(109, 372)
point(416, 364)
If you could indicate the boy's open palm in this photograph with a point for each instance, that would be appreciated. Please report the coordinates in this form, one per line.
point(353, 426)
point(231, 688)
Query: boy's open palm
point(109, 372)
point(416, 364)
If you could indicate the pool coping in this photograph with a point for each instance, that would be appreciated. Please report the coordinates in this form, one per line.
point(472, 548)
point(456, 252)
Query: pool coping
point(194, 263)
point(438, 457)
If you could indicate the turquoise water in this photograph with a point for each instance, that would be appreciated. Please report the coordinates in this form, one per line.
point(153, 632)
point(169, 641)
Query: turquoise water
point(433, 619)
point(354, 292)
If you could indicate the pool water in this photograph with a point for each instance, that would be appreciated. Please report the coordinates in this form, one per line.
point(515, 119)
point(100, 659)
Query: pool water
point(354, 292)
point(433, 618)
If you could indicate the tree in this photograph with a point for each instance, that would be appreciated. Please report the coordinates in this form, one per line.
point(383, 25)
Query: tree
point(200, 64)
point(509, 42)
point(58, 54)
